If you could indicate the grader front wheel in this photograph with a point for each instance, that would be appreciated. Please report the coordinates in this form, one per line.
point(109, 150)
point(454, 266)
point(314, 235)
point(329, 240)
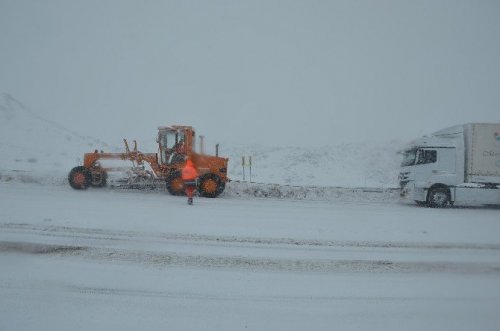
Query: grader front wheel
point(80, 178)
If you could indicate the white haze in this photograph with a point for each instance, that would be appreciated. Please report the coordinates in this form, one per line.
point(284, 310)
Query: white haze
point(298, 73)
point(320, 93)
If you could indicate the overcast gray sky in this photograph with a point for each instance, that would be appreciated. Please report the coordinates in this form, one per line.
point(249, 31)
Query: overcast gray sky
point(269, 72)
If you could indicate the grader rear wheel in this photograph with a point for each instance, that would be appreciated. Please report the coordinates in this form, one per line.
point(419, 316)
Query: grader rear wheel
point(175, 184)
point(210, 186)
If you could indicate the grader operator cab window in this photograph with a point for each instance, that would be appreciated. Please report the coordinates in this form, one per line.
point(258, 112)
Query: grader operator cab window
point(171, 146)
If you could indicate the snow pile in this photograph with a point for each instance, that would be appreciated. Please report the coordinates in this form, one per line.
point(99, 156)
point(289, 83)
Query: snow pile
point(38, 149)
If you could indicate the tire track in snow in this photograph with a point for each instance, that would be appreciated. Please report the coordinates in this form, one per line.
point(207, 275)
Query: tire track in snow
point(187, 295)
point(166, 259)
point(119, 235)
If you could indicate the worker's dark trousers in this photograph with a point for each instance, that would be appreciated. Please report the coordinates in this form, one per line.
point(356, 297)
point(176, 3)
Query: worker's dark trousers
point(190, 188)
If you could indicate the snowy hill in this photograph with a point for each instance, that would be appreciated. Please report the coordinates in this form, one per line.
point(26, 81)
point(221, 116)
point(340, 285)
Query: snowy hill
point(342, 165)
point(37, 148)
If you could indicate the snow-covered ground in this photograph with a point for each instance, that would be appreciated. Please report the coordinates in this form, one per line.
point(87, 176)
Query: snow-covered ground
point(324, 244)
point(123, 260)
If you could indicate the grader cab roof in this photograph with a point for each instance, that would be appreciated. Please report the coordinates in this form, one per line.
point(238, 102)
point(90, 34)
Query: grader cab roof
point(175, 128)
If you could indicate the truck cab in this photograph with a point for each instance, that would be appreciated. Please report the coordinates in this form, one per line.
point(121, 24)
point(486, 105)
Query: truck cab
point(429, 165)
point(445, 168)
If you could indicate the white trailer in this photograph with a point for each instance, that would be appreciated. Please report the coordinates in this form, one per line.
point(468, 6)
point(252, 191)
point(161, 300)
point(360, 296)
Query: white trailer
point(458, 165)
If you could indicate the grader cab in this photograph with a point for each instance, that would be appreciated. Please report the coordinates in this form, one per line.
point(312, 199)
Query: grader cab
point(175, 145)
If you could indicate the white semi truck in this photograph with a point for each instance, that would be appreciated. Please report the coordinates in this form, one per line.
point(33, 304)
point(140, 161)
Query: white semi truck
point(458, 165)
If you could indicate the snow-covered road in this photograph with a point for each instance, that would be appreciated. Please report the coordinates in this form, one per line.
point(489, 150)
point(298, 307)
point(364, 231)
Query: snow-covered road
point(116, 260)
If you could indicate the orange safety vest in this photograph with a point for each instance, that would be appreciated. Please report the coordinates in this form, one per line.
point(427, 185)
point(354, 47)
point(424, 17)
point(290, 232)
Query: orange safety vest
point(189, 171)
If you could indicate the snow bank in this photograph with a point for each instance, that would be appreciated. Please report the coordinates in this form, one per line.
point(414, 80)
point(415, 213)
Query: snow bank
point(277, 191)
point(370, 164)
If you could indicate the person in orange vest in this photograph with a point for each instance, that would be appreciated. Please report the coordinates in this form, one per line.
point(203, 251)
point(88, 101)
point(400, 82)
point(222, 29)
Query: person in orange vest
point(189, 176)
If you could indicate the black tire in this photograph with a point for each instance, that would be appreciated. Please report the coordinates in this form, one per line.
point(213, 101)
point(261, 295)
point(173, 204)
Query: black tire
point(80, 178)
point(210, 186)
point(99, 178)
point(175, 184)
point(438, 197)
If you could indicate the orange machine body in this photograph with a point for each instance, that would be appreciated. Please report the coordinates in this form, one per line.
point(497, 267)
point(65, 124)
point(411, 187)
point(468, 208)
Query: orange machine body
point(175, 145)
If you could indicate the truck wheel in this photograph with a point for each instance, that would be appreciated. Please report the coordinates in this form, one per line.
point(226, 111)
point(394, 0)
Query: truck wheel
point(439, 197)
point(175, 184)
point(79, 178)
point(99, 178)
point(210, 186)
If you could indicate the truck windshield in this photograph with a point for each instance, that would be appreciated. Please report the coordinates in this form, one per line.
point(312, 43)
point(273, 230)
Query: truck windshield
point(409, 157)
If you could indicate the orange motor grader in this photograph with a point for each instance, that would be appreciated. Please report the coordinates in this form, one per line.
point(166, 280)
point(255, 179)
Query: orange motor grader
point(176, 145)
